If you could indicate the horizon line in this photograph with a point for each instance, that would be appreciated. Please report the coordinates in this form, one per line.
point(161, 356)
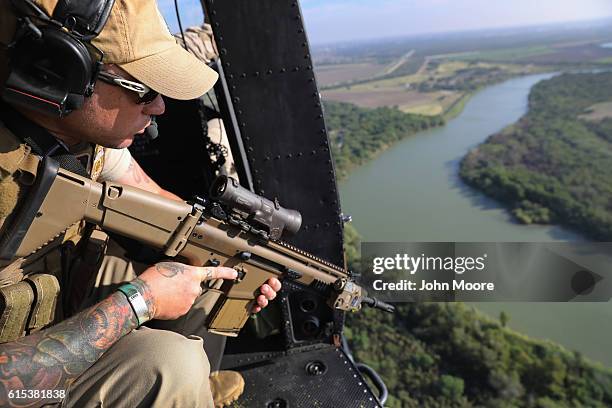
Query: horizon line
point(463, 31)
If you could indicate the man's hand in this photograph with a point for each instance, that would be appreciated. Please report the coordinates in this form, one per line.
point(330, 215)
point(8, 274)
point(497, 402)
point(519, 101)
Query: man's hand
point(171, 288)
point(174, 286)
point(268, 292)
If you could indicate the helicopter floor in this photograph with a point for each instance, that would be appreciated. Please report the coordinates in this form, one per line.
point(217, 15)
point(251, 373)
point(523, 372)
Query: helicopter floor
point(313, 376)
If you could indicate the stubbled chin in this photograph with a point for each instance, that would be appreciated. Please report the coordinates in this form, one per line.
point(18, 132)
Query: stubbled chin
point(122, 144)
point(127, 143)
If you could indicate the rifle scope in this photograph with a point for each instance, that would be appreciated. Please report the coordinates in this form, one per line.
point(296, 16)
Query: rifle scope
point(266, 212)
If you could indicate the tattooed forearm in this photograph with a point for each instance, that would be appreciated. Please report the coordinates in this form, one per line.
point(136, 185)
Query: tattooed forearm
point(53, 358)
point(170, 269)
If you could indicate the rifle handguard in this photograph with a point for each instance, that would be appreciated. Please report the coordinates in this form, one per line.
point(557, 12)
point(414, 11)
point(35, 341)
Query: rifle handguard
point(191, 232)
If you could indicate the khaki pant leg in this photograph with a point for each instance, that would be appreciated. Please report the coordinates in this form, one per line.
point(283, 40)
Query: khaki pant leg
point(146, 368)
point(193, 324)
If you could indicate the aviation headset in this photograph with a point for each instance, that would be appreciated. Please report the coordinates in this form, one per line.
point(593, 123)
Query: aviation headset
point(53, 65)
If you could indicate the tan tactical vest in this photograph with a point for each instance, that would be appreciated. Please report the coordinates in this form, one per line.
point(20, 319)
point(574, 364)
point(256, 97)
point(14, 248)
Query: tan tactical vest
point(30, 287)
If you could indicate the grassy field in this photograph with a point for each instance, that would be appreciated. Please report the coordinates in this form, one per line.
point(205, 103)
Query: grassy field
point(573, 54)
point(432, 90)
point(433, 85)
point(597, 112)
point(563, 53)
point(424, 103)
point(333, 74)
point(441, 102)
point(342, 74)
point(377, 98)
point(507, 54)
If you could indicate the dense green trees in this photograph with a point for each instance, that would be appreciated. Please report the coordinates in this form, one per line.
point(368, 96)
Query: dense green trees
point(553, 165)
point(358, 135)
point(450, 355)
point(467, 79)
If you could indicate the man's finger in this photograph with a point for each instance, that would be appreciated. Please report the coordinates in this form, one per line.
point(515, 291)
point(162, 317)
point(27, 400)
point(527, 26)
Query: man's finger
point(262, 301)
point(274, 284)
point(220, 272)
point(268, 291)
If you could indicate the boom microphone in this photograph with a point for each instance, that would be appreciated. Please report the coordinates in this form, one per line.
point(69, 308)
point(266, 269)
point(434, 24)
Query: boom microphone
point(151, 132)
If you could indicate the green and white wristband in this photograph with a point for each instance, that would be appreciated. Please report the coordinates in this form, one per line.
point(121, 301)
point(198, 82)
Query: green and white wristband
point(137, 302)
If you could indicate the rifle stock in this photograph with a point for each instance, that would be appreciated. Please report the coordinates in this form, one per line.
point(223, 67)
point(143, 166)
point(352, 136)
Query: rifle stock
point(189, 231)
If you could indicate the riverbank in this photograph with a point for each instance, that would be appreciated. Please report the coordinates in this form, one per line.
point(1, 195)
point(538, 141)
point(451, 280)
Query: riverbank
point(347, 119)
point(552, 166)
point(414, 193)
point(352, 148)
point(359, 135)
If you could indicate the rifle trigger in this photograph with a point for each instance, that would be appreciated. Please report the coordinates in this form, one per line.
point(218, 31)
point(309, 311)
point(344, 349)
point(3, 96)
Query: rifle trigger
point(241, 275)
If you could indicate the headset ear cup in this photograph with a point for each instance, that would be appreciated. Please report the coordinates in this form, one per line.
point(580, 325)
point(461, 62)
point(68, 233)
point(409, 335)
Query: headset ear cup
point(56, 67)
point(75, 58)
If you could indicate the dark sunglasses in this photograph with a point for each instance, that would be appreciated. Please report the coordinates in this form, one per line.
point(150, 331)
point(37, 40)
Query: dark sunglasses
point(145, 94)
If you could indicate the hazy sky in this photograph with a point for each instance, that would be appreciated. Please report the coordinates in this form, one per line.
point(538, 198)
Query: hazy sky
point(340, 20)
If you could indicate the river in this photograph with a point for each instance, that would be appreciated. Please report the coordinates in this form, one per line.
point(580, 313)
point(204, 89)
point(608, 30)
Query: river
point(412, 192)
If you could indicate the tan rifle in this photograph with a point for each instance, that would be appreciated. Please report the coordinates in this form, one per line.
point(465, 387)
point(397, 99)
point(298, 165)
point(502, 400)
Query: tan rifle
point(236, 228)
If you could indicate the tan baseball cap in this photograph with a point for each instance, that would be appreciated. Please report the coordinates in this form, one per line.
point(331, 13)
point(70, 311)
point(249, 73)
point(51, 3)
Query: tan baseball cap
point(137, 39)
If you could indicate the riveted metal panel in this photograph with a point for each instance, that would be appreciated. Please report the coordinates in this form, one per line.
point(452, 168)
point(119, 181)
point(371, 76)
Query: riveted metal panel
point(268, 71)
point(314, 376)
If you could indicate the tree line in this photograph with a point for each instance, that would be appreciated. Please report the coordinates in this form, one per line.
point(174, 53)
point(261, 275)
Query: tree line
point(553, 165)
point(450, 355)
point(357, 134)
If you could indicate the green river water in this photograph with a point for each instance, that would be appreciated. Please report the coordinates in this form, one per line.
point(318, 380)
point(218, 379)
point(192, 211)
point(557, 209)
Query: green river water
point(412, 192)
